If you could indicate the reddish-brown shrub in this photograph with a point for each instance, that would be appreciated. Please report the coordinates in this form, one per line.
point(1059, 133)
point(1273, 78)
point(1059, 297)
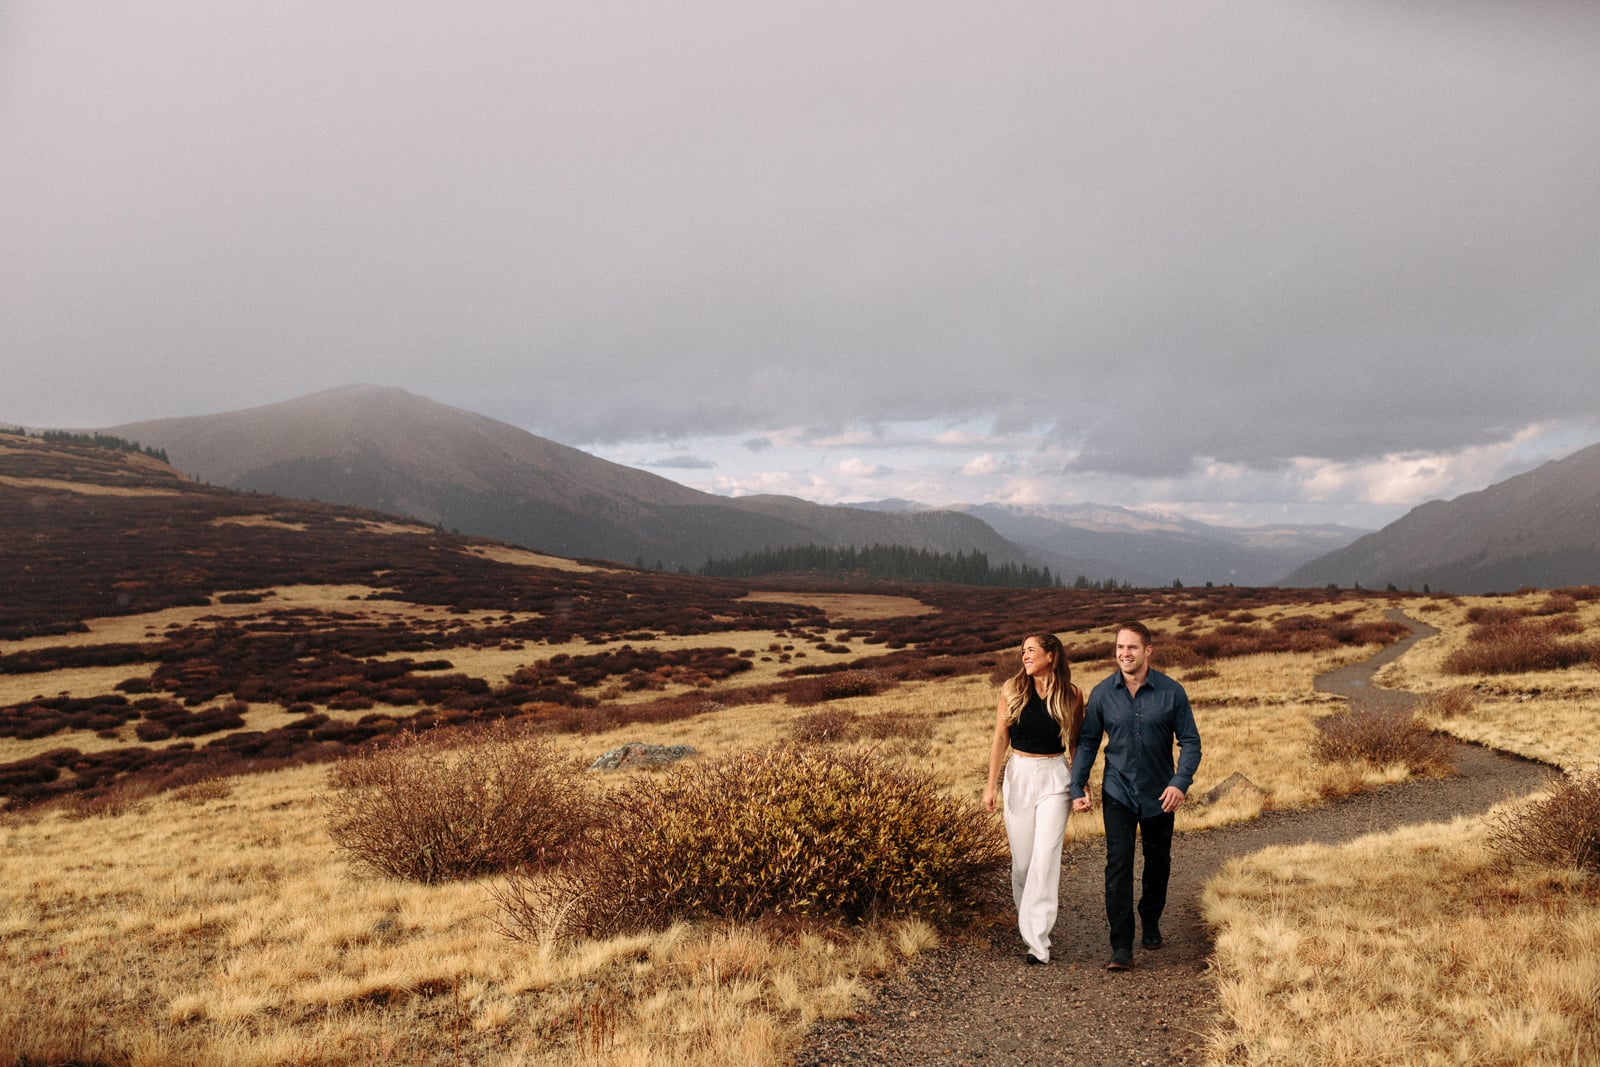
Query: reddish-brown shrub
point(1380, 738)
point(1449, 703)
point(817, 727)
point(1517, 645)
point(442, 806)
point(793, 830)
point(1558, 830)
point(815, 689)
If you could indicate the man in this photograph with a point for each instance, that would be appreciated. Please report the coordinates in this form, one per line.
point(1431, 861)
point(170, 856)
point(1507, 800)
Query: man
point(1140, 712)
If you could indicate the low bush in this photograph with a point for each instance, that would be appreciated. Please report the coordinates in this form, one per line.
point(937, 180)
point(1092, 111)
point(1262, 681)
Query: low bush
point(828, 724)
point(882, 725)
point(792, 830)
point(1557, 604)
point(442, 805)
point(1518, 645)
point(1381, 738)
point(1562, 829)
point(838, 685)
point(1449, 703)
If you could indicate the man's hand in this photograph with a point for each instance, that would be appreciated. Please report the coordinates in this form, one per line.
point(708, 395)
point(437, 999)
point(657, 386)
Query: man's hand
point(1083, 803)
point(1171, 799)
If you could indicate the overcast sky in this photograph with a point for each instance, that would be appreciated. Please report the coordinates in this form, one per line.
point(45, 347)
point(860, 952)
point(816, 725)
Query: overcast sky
point(1252, 261)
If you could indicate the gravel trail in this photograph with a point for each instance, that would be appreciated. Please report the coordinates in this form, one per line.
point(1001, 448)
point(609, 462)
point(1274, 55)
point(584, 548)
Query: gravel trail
point(973, 1001)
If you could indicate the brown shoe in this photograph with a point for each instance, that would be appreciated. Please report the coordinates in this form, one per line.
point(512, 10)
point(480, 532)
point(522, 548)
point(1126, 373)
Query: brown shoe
point(1121, 960)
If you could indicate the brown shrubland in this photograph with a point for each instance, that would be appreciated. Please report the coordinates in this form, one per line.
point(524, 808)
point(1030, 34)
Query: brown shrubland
point(1381, 738)
point(442, 806)
point(790, 830)
point(169, 893)
point(1559, 829)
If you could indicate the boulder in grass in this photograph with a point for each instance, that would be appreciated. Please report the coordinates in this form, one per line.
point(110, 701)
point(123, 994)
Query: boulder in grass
point(1234, 783)
point(636, 754)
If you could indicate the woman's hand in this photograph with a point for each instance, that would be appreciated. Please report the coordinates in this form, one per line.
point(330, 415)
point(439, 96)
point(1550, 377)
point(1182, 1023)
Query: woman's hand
point(988, 797)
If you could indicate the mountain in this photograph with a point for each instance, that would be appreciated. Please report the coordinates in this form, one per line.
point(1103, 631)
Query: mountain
point(1537, 529)
point(1154, 548)
point(393, 451)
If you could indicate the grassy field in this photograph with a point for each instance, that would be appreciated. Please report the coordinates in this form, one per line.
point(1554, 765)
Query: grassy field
point(1425, 946)
point(179, 666)
point(218, 923)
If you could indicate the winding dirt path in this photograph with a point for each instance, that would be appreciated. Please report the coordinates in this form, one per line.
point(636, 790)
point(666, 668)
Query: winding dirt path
point(972, 1001)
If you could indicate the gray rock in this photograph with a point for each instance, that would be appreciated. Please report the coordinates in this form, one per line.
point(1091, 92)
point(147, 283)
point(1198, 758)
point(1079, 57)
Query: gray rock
point(638, 754)
point(1229, 784)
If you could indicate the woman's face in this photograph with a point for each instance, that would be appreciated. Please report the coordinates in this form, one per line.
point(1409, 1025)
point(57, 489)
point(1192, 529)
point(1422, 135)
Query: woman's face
point(1035, 660)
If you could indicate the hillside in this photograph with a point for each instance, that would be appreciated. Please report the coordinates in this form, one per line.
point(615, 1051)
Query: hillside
point(160, 629)
point(1537, 529)
point(392, 451)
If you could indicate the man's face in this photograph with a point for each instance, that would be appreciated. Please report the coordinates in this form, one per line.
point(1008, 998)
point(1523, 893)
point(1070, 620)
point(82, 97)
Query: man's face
point(1133, 655)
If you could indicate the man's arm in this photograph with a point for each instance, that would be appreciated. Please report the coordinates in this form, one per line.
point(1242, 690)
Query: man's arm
point(1188, 738)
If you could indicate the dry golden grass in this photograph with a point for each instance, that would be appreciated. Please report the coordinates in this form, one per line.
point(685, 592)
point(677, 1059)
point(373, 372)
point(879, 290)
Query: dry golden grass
point(116, 629)
point(218, 924)
point(946, 728)
point(1414, 947)
point(851, 607)
point(524, 557)
point(266, 521)
point(377, 527)
point(1257, 717)
point(85, 488)
point(1549, 716)
point(221, 926)
point(1418, 947)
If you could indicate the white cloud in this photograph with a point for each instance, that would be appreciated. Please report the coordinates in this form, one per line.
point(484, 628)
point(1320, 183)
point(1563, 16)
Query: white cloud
point(988, 465)
point(857, 469)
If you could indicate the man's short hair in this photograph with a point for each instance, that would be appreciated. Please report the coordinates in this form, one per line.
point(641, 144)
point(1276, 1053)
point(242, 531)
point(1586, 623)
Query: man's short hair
point(1139, 628)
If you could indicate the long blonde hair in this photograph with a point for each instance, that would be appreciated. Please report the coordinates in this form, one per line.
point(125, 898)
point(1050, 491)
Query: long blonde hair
point(1062, 699)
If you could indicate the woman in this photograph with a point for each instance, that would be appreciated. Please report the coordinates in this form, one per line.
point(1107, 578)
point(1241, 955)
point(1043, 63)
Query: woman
point(1038, 719)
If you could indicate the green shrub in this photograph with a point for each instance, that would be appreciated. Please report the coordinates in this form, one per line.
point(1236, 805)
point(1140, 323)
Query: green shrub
point(1558, 830)
point(1380, 738)
point(791, 830)
point(439, 806)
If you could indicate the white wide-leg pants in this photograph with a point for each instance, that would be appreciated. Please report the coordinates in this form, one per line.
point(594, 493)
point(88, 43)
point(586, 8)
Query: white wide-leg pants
point(1036, 790)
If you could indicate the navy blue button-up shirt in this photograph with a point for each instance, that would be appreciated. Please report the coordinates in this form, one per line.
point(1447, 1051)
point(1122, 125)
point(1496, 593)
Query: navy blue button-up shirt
point(1139, 732)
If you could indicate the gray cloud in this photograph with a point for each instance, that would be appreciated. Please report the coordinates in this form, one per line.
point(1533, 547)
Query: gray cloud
point(1242, 232)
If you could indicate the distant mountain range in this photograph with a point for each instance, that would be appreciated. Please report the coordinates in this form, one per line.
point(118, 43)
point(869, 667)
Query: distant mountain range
point(1537, 529)
point(390, 450)
point(1152, 547)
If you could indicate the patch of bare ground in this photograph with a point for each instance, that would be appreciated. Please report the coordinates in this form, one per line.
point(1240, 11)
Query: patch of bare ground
point(972, 1001)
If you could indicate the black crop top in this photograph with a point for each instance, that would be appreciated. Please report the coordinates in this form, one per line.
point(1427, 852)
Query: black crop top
point(1035, 732)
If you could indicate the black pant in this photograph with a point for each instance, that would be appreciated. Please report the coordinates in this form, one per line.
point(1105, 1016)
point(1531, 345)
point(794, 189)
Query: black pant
point(1121, 822)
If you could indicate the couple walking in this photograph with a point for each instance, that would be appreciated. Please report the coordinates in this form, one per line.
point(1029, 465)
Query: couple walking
point(1043, 720)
